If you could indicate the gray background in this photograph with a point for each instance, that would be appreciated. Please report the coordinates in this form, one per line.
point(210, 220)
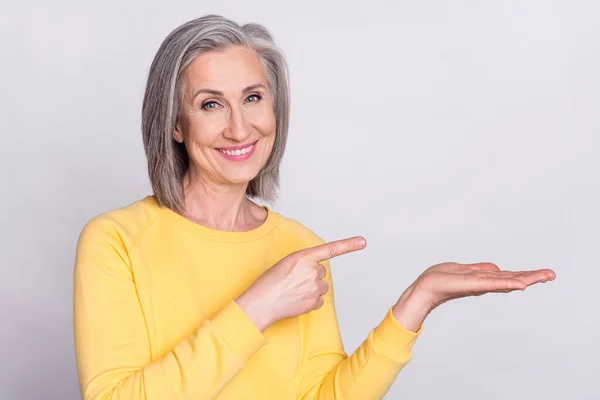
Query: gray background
point(441, 131)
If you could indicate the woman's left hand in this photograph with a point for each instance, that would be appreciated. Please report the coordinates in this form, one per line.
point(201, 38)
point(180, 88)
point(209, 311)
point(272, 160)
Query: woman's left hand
point(448, 281)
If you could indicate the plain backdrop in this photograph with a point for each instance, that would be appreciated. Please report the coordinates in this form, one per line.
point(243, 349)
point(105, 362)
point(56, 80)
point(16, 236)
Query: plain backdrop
point(441, 131)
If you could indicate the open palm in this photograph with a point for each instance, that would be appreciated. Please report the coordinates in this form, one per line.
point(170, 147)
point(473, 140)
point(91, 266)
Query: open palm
point(447, 281)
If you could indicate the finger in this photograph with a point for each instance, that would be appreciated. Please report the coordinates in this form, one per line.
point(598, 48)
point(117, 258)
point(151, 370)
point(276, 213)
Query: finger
point(322, 271)
point(546, 273)
point(320, 303)
point(528, 277)
point(505, 285)
point(476, 285)
point(496, 284)
point(504, 274)
point(323, 287)
point(333, 249)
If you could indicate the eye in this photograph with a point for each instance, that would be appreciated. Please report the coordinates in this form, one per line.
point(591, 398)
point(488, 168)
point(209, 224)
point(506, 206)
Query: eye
point(253, 98)
point(209, 105)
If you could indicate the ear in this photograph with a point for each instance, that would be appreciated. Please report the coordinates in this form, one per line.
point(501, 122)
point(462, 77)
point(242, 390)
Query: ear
point(178, 133)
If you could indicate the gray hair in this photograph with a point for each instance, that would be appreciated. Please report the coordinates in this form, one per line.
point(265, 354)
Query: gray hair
point(167, 159)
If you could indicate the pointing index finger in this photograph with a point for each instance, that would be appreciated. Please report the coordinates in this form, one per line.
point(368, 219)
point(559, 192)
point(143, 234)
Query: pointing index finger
point(336, 248)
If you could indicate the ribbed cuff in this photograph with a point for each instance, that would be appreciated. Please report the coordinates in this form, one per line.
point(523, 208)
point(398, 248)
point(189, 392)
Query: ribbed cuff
point(390, 338)
point(239, 332)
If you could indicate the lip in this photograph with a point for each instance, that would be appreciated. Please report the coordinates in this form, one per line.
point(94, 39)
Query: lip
point(237, 147)
point(241, 157)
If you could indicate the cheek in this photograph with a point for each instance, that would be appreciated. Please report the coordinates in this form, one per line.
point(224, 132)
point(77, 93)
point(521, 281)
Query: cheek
point(203, 132)
point(265, 122)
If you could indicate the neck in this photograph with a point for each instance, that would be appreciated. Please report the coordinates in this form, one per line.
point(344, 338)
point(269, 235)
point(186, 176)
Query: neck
point(223, 207)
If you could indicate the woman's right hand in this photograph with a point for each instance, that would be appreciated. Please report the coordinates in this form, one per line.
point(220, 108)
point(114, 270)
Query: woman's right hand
point(293, 286)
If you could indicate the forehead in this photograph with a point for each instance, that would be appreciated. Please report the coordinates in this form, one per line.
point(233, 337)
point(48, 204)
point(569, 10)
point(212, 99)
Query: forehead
point(228, 70)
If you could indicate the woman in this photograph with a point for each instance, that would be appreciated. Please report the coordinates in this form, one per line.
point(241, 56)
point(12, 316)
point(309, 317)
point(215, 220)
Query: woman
point(197, 292)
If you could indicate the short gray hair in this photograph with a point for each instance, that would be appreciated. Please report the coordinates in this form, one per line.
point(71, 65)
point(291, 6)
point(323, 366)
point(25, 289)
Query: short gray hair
point(168, 159)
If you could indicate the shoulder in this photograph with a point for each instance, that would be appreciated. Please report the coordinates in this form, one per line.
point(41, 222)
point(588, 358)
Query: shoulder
point(123, 225)
point(305, 236)
point(299, 231)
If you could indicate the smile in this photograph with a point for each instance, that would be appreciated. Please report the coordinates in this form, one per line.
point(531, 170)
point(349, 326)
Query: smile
point(238, 153)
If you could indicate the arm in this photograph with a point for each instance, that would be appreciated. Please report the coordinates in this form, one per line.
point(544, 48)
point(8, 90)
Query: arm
point(368, 372)
point(111, 338)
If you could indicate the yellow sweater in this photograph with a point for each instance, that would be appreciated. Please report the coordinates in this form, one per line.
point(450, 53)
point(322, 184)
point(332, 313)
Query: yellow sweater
point(155, 316)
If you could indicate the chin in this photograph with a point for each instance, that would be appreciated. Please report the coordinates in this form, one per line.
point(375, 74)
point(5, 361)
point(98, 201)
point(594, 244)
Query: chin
point(241, 177)
point(243, 172)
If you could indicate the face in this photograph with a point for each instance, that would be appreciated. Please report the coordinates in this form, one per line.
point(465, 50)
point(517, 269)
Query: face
point(226, 121)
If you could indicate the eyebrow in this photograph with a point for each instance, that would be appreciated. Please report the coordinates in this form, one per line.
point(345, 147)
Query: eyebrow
point(219, 93)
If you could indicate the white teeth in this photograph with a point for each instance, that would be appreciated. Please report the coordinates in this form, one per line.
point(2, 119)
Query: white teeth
point(237, 152)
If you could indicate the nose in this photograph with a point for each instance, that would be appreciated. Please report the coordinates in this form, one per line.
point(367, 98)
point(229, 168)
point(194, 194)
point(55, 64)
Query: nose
point(237, 128)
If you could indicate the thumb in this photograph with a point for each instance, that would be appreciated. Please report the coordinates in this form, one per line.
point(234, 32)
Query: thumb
point(482, 266)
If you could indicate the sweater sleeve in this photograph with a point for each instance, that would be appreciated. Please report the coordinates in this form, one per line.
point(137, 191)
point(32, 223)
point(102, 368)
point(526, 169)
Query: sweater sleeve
point(112, 344)
point(368, 373)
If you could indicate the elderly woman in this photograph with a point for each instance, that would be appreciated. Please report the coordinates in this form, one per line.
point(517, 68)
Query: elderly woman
point(197, 292)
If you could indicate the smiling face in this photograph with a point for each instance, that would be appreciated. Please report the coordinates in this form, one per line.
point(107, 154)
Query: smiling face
point(227, 122)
